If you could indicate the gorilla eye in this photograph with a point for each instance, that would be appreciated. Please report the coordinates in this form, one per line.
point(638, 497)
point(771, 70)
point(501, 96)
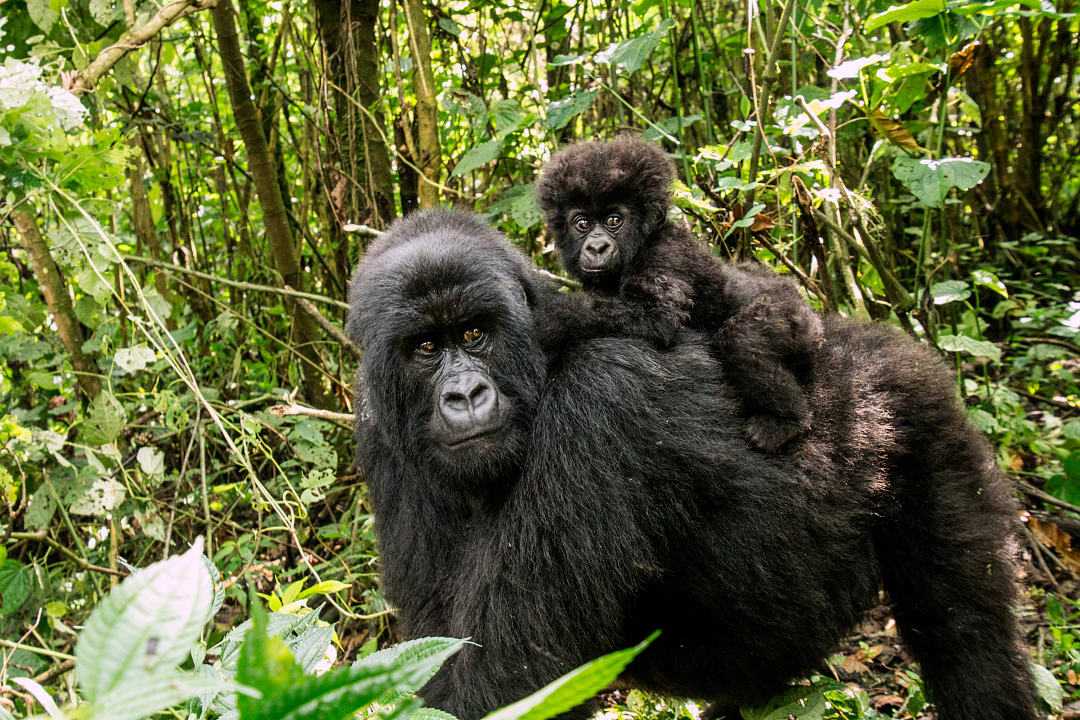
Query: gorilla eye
point(613, 222)
point(472, 336)
point(582, 223)
point(426, 346)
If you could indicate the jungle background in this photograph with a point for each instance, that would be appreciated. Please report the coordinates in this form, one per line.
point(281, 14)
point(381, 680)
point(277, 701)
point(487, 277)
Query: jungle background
point(186, 186)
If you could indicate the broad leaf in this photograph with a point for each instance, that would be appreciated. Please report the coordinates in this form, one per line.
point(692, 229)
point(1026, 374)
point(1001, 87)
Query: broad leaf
point(631, 54)
point(799, 703)
point(411, 652)
point(949, 291)
point(15, 582)
point(477, 157)
point(561, 112)
point(574, 688)
point(1048, 687)
point(150, 694)
point(931, 180)
point(146, 625)
point(915, 10)
point(970, 346)
point(105, 420)
point(987, 279)
point(133, 359)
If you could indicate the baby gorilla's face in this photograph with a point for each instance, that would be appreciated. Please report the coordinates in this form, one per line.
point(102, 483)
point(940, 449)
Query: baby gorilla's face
point(599, 242)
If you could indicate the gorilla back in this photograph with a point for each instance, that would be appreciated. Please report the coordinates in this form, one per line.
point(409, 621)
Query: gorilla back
point(556, 512)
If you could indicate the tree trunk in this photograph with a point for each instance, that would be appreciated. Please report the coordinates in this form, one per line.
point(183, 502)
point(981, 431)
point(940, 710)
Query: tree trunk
point(264, 174)
point(427, 112)
point(58, 301)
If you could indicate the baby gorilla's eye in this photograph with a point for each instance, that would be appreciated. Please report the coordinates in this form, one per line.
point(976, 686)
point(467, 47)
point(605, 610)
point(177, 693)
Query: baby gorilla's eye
point(472, 336)
point(426, 346)
point(613, 222)
point(582, 223)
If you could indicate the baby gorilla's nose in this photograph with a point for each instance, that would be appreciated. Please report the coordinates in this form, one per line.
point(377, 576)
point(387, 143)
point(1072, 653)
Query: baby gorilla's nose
point(596, 253)
point(468, 402)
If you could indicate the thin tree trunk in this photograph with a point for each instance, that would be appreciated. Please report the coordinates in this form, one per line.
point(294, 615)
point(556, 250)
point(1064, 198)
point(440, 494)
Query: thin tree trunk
point(58, 301)
point(263, 171)
point(427, 112)
point(364, 17)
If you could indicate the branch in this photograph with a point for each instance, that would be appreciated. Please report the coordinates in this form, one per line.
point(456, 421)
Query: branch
point(331, 329)
point(133, 39)
point(346, 419)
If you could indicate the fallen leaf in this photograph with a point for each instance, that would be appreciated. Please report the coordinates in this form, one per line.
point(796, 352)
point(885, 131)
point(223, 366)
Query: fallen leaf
point(887, 701)
point(1053, 537)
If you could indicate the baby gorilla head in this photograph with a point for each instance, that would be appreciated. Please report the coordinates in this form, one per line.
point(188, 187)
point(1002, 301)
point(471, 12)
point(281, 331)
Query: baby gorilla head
point(603, 201)
point(441, 306)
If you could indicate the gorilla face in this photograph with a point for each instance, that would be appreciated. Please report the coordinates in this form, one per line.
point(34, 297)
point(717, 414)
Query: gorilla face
point(450, 369)
point(599, 240)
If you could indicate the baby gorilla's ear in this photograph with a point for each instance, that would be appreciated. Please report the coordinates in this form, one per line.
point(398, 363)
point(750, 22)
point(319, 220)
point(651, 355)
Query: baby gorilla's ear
point(654, 215)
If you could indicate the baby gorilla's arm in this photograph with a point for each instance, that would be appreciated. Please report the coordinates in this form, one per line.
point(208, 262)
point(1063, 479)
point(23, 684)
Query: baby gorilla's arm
point(767, 346)
point(653, 308)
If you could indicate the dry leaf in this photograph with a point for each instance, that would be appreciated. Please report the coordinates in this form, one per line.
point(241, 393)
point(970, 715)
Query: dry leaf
point(895, 132)
point(1057, 540)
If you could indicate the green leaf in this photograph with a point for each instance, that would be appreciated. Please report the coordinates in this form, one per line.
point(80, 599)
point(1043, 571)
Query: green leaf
point(508, 117)
point(146, 626)
point(1048, 687)
point(44, 13)
point(949, 291)
point(931, 180)
point(15, 583)
point(519, 202)
point(411, 652)
point(574, 688)
point(800, 703)
point(987, 279)
point(631, 54)
point(477, 157)
point(147, 695)
point(104, 11)
point(561, 112)
point(105, 420)
point(971, 346)
point(907, 12)
point(267, 666)
point(326, 587)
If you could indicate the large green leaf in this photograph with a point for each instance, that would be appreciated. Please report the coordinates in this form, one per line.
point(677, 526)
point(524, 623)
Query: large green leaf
point(1048, 687)
point(15, 582)
point(146, 626)
point(560, 112)
point(477, 157)
point(105, 420)
point(573, 688)
point(631, 54)
point(931, 180)
point(949, 291)
point(135, 700)
point(970, 346)
point(267, 667)
point(915, 10)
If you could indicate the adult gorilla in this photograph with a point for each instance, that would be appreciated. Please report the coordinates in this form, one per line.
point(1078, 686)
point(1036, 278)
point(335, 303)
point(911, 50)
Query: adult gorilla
point(554, 513)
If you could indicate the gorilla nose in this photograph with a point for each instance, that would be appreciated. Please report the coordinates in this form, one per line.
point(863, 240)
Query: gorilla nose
point(597, 253)
point(468, 402)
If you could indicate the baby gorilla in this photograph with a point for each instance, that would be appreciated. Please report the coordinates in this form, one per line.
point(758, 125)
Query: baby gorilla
point(606, 203)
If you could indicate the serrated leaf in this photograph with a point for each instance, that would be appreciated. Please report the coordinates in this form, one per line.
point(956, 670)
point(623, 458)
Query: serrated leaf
point(631, 54)
point(142, 696)
point(267, 666)
point(574, 688)
point(1048, 687)
point(105, 420)
point(15, 584)
point(970, 346)
point(949, 291)
point(411, 652)
point(915, 10)
point(133, 359)
point(562, 111)
point(477, 157)
point(931, 180)
point(146, 625)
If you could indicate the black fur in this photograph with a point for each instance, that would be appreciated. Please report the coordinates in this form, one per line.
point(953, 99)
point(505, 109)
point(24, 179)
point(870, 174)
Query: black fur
point(629, 500)
point(660, 279)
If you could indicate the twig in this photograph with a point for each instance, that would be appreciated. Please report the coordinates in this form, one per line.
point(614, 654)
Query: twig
point(1046, 497)
point(236, 283)
point(1037, 550)
point(285, 410)
point(133, 39)
point(331, 329)
point(71, 554)
point(55, 670)
point(1049, 401)
point(36, 650)
point(767, 82)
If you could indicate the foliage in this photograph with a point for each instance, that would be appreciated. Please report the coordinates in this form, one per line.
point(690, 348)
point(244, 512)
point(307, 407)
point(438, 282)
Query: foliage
point(913, 163)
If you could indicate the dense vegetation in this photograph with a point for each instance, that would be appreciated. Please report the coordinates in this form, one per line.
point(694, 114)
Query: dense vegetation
point(185, 188)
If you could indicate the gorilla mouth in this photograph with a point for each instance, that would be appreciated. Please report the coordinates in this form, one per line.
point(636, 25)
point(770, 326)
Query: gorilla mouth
point(458, 443)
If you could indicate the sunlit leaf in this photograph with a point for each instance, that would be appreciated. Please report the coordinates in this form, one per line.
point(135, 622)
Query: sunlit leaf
point(561, 112)
point(477, 157)
point(931, 180)
point(631, 54)
point(905, 13)
point(969, 346)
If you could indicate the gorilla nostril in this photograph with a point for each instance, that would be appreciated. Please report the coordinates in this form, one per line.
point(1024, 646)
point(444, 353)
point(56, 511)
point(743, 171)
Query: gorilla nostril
point(455, 401)
point(598, 247)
